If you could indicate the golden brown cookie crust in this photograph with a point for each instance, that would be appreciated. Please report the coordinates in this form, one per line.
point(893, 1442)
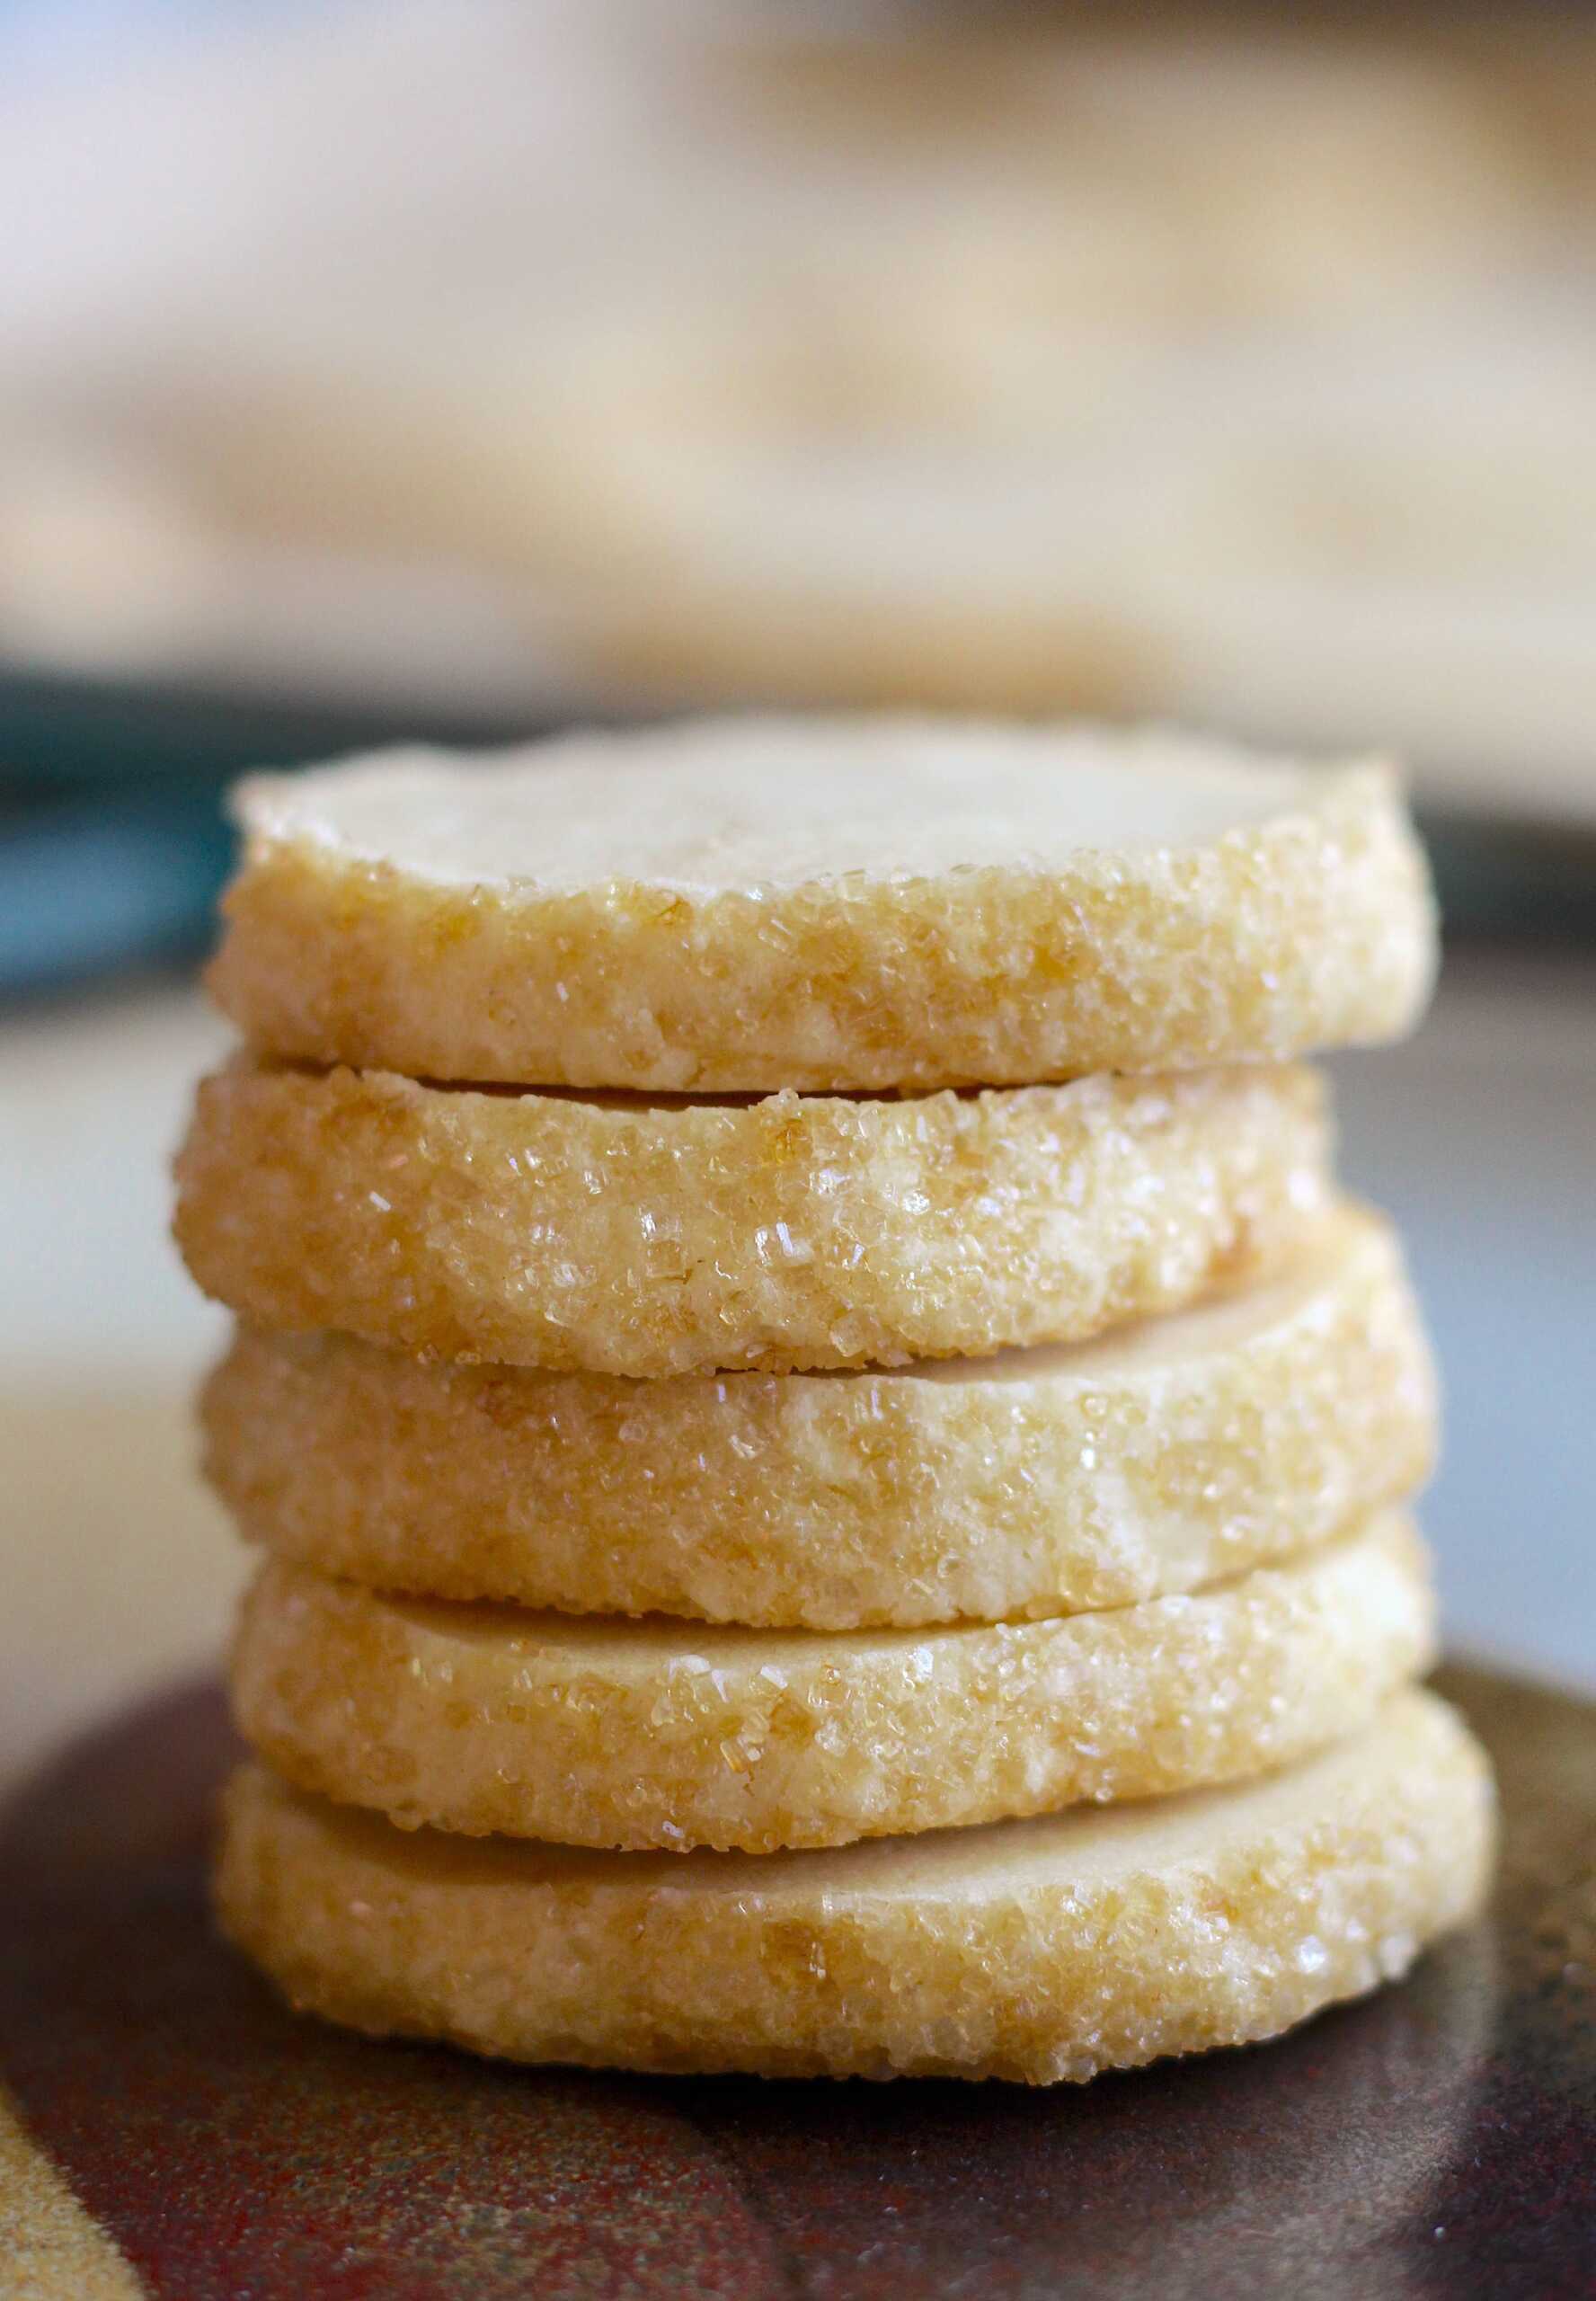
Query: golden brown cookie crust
point(826, 905)
point(1161, 1457)
point(1037, 1950)
point(593, 1732)
point(653, 1238)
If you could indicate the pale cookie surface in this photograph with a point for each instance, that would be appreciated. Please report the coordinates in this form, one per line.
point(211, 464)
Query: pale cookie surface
point(649, 1238)
point(591, 1732)
point(1036, 1950)
point(1163, 1456)
point(825, 904)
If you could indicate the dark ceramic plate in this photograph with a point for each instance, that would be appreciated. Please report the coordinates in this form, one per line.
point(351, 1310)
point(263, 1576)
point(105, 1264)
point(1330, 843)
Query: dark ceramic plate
point(1437, 2140)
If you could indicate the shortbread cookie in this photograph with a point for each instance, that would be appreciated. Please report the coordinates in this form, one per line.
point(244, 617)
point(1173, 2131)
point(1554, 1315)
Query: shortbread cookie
point(1039, 1482)
point(1037, 1949)
point(648, 1239)
point(592, 1732)
point(747, 905)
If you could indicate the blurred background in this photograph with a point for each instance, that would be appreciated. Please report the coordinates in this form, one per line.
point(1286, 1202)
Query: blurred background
point(464, 367)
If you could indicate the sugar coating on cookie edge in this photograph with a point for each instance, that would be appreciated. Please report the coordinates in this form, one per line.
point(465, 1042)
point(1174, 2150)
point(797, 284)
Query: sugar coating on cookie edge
point(645, 1238)
point(824, 904)
point(588, 1731)
point(1038, 1951)
point(1046, 1481)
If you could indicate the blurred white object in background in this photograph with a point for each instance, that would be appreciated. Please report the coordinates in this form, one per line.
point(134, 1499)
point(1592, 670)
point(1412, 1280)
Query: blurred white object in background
point(529, 352)
point(1403, 538)
point(103, 563)
point(119, 1570)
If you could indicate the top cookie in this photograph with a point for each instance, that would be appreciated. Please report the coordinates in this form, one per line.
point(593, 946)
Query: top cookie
point(825, 904)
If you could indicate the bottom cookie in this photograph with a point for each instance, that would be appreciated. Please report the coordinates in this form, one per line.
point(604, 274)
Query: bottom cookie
point(1037, 1950)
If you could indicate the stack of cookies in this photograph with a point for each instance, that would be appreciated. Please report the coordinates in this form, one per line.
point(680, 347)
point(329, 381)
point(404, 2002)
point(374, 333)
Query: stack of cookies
point(830, 1462)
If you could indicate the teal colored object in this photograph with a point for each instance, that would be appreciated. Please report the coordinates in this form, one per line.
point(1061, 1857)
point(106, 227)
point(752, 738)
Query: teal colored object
point(114, 844)
point(93, 884)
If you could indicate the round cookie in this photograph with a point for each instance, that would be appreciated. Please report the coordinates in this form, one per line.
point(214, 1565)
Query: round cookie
point(1163, 1456)
point(827, 905)
point(650, 1239)
point(1038, 1951)
point(587, 1731)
